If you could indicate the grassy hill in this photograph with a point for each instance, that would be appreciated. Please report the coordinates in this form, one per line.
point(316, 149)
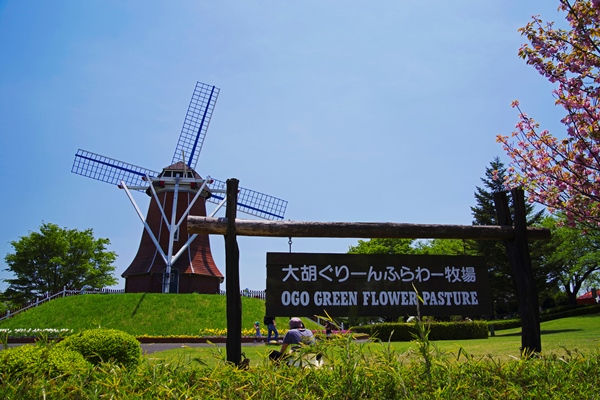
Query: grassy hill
point(153, 314)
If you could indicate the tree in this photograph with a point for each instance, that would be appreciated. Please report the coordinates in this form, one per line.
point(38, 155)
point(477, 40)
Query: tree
point(502, 284)
point(383, 246)
point(378, 246)
point(450, 247)
point(573, 254)
point(53, 258)
point(563, 174)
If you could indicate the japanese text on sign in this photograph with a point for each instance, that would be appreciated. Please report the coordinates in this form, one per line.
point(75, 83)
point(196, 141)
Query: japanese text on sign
point(371, 285)
point(312, 273)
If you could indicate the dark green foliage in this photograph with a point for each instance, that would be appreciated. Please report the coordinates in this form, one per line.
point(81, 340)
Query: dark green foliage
point(392, 331)
point(458, 330)
point(450, 247)
point(572, 254)
point(54, 258)
point(503, 288)
point(565, 312)
point(505, 324)
point(550, 315)
point(105, 345)
point(383, 246)
point(48, 361)
point(403, 331)
point(566, 307)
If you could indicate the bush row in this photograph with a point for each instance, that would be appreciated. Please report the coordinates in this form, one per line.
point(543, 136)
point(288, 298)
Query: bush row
point(563, 312)
point(402, 331)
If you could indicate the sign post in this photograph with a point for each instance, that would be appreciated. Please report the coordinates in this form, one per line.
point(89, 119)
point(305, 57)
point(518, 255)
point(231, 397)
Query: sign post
point(232, 276)
point(520, 261)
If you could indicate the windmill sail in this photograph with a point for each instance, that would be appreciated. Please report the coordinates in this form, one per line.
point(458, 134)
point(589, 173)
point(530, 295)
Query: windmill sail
point(251, 202)
point(109, 170)
point(196, 123)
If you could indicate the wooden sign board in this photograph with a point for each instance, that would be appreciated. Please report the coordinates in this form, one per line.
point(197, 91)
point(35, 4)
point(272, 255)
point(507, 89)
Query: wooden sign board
point(376, 285)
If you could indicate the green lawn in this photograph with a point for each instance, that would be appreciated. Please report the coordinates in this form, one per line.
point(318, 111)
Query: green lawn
point(188, 314)
point(486, 368)
point(574, 334)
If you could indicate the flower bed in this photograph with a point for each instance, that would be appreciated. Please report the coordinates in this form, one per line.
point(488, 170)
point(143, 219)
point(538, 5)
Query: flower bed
point(48, 333)
point(205, 335)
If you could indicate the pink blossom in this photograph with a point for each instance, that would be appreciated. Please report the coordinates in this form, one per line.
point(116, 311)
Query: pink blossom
point(562, 174)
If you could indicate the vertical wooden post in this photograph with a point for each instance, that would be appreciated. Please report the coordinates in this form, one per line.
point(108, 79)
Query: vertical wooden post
point(232, 278)
point(518, 255)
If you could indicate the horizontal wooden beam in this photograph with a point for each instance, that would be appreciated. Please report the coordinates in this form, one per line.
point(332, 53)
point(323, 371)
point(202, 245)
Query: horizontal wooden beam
point(244, 227)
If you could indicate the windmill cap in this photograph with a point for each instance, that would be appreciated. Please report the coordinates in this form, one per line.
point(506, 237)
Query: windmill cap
point(295, 323)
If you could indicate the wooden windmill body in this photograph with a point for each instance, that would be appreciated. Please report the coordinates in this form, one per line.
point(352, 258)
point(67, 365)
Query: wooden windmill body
point(194, 270)
point(169, 260)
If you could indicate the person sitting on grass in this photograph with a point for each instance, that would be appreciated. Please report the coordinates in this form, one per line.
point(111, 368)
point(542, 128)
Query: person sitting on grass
point(297, 335)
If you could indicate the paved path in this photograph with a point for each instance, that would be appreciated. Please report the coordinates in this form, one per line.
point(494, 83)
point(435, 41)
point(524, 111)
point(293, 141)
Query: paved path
point(149, 348)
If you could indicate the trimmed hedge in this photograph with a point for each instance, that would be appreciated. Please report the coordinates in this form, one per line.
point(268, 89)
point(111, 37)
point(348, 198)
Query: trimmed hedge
point(505, 324)
point(32, 360)
point(105, 345)
point(575, 312)
point(562, 312)
point(404, 332)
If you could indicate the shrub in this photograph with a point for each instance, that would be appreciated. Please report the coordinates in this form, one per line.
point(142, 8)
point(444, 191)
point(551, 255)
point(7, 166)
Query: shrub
point(404, 332)
point(556, 313)
point(505, 324)
point(30, 360)
point(21, 359)
point(105, 345)
point(572, 312)
point(459, 330)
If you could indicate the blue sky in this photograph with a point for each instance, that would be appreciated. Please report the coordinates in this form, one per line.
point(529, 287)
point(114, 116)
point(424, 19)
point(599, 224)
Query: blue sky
point(350, 110)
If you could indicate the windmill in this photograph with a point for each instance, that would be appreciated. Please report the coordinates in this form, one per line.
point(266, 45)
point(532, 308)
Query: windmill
point(170, 260)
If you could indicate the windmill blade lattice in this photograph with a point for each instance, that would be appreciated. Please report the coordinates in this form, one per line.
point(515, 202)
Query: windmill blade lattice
point(109, 170)
point(196, 123)
point(252, 202)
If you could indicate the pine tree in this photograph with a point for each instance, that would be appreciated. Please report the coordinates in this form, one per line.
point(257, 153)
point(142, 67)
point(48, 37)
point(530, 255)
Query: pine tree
point(502, 283)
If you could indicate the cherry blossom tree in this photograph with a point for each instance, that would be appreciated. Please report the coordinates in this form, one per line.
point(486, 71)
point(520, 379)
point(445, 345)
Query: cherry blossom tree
point(562, 173)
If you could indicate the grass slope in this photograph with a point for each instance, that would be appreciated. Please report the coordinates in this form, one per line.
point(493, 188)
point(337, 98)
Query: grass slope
point(153, 314)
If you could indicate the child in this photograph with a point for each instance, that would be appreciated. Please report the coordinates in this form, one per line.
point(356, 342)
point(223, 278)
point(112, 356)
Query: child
point(258, 334)
point(328, 328)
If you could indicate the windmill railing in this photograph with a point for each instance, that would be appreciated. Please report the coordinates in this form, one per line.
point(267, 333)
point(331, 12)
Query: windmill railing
point(257, 294)
point(49, 296)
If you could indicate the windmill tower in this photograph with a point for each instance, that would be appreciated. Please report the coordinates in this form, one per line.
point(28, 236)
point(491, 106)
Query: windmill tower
point(169, 260)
